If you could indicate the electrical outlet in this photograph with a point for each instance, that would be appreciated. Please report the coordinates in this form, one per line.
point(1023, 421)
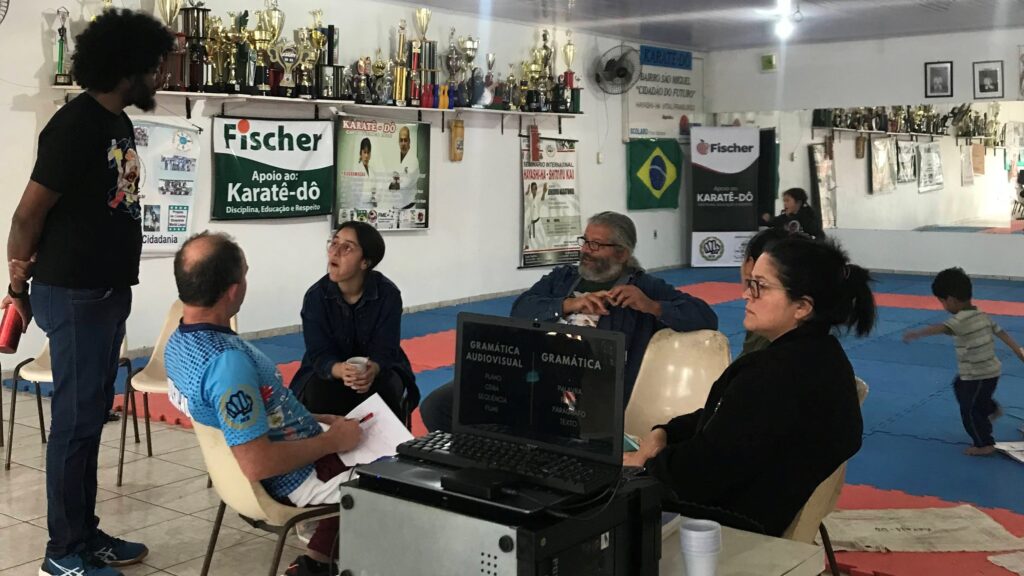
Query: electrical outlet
point(655, 234)
point(600, 157)
point(792, 156)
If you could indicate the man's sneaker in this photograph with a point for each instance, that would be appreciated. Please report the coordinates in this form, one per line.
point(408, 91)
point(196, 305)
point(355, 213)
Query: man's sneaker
point(116, 552)
point(306, 566)
point(75, 565)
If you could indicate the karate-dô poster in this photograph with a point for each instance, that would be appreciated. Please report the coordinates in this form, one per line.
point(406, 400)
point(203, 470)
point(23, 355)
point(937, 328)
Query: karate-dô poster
point(272, 168)
point(725, 189)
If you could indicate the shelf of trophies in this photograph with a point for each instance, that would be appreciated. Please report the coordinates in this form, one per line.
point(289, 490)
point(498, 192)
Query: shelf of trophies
point(342, 106)
point(914, 135)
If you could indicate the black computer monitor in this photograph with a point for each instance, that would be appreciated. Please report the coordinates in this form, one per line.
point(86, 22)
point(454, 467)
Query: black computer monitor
point(555, 386)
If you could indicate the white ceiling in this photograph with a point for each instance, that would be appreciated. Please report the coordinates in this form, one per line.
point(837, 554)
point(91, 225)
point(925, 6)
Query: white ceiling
point(726, 24)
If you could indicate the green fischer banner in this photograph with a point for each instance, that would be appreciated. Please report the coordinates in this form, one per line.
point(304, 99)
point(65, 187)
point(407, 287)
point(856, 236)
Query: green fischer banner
point(272, 168)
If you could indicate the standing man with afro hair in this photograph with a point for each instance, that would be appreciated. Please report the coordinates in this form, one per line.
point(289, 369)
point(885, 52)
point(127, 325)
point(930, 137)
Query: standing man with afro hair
point(76, 233)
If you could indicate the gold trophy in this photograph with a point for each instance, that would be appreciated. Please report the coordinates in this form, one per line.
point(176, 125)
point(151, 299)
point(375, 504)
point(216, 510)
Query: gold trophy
point(400, 70)
point(288, 56)
point(422, 92)
point(232, 37)
point(571, 85)
point(175, 65)
point(260, 39)
point(215, 48)
point(311, 43)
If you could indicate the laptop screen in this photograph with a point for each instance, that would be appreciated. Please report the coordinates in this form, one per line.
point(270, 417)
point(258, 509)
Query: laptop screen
point(556, 386)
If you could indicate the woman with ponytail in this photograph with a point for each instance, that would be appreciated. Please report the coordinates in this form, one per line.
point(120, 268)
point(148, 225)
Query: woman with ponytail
point(780, 420)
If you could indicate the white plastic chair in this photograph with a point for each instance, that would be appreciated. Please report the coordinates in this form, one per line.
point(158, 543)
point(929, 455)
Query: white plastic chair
point(40, 369)
point(151, 379)
point(808, 522)
point(675, 377)
point(247, 498)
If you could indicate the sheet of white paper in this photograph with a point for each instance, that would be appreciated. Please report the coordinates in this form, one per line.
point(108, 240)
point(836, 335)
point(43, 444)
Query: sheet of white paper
point(381, 434)
point(1014, 450)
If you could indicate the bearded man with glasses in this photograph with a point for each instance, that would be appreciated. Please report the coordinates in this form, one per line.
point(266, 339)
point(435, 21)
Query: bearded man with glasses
point(608, 290)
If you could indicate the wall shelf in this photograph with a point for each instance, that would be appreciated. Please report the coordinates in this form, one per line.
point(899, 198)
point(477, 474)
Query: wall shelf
point(340, 106)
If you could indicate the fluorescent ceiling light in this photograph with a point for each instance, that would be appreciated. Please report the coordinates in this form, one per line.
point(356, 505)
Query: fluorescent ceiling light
point(784, 28)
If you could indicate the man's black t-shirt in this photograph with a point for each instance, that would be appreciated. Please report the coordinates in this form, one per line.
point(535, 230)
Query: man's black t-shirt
point(92, 236)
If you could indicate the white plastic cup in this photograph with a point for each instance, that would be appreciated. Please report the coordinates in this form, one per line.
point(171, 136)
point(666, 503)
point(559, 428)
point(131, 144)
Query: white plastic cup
point(701, 542)
point(700, 564)
point(359, 362)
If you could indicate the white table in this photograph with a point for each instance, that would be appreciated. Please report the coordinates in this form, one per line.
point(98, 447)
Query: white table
point(747, 554)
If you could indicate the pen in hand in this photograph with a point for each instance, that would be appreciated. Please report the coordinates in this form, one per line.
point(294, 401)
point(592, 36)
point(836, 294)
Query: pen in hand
point(366, 418)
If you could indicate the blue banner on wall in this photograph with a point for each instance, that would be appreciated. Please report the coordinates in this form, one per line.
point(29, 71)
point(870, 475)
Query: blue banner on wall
point(666, 57)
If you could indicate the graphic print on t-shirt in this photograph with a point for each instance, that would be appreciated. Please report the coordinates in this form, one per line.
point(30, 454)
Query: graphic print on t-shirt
point(124, 196)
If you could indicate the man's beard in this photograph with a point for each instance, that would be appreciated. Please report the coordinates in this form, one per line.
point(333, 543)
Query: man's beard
point(140, 95)
point(599, 269)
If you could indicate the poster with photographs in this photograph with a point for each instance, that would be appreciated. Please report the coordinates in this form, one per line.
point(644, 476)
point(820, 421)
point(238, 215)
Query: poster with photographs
point(938, 80)
point(929, 167)
point(823, 181)
point(906, 153)
point(988, 79)
point(966, 166)
point(551, 219)
point(383, 173)
point(883, 165)
point(169, 156)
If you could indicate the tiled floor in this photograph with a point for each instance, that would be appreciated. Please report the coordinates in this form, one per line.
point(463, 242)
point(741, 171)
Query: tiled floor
point(163, 502)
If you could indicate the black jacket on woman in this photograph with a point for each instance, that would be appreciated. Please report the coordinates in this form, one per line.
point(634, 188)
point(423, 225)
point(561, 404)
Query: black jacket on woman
point(805, 220)
point(776, 424)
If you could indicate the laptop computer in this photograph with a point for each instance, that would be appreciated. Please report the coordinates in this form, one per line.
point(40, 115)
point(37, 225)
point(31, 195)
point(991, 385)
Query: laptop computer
point(541, 402)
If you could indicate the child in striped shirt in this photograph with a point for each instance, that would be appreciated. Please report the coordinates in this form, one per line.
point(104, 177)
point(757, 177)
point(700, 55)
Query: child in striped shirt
point(977, 363)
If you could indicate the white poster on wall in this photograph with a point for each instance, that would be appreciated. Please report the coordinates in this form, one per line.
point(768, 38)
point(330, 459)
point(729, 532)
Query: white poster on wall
point(169, 157)
point(552, 221)
point(667, 98)
point(710, 249)
point(929, 167)
point(966, 166)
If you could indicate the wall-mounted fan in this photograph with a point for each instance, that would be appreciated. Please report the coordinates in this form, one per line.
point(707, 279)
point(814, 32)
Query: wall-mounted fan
point(4, 5)
point(618, 69)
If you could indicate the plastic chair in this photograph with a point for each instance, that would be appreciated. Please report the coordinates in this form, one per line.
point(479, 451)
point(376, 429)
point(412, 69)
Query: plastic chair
point(808, 522)
point(150, 379)
point(675, 377)
point(247, 498)
point(39, 369)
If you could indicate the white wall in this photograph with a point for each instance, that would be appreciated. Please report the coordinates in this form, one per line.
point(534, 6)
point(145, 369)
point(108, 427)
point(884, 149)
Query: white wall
point(472, 246)
point(876, 73)
point(990, 197)
point(863, 73)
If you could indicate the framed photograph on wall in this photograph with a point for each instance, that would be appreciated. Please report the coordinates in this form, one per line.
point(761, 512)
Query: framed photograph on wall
point(988, 79)
point(938, 79)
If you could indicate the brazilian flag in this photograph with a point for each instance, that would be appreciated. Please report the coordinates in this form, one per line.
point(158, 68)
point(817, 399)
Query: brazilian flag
point(655, 174)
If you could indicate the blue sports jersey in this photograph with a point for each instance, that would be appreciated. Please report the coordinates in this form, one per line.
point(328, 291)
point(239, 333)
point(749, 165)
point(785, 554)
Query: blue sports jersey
point(222, 381)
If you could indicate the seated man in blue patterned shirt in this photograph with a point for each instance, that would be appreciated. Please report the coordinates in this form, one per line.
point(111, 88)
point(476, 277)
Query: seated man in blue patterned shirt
point(221, 381)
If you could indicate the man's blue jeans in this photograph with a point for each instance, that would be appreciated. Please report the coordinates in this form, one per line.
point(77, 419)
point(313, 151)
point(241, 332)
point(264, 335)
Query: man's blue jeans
point(85, 328)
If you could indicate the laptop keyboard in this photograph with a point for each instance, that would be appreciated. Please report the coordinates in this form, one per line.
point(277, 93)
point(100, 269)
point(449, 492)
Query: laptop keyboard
point(534, 465)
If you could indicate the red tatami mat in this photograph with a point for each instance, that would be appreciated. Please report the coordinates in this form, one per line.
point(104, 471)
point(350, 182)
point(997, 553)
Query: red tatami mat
point(160, 408)
point(714, 292)
point(430, 352)
point(931, 303)
point(719, 292)
point(919, 563)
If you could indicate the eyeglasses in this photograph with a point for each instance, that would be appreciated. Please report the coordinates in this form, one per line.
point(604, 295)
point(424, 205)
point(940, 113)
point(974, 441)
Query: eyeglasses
point(755, 286)
point(593, 245)
point(344, 248)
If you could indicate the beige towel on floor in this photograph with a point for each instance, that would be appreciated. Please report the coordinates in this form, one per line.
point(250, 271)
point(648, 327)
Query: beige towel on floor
point(1012, 562)
point(958, 529)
